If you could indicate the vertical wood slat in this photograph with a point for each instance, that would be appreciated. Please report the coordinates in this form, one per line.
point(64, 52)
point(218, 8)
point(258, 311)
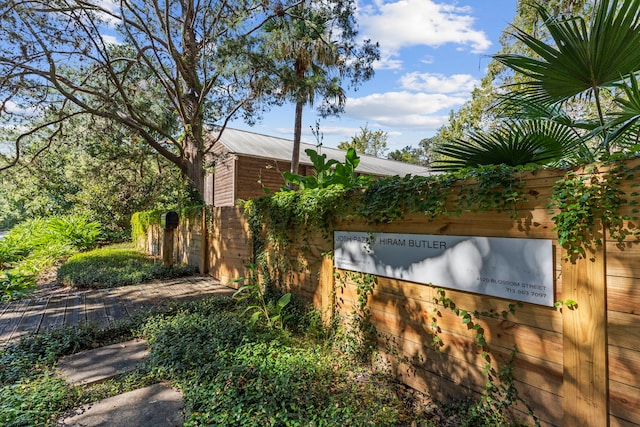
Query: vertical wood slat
point(326, 288)
point(204, 247)
point(585, 387)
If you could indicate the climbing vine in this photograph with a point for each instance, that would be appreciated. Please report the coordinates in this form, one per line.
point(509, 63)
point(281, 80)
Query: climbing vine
point(500, 391)
point(579, 201)
point(499, 188)
point(360, 340)
point(141, 221)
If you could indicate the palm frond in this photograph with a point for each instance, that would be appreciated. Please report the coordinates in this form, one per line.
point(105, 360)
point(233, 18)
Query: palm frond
point(516, 143)
point(583, 56)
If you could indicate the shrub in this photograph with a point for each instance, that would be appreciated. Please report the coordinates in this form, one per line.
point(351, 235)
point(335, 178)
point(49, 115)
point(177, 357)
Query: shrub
point(115, 265)
point(69, 234)
point(36, 245)
point(15, 285)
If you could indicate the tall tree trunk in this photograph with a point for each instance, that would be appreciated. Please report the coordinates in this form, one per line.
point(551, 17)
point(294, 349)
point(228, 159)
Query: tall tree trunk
point(297, 137)
point(192, 167)
point(193, 117)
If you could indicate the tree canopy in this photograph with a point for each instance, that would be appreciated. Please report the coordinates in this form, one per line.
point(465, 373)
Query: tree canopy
point(98, 170)
point(367, 141)
point(313, 52)
point(476, 114)
point(574, 94)
point(173, 72)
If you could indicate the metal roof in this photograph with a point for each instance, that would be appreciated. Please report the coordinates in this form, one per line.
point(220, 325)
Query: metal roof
point(269, 147)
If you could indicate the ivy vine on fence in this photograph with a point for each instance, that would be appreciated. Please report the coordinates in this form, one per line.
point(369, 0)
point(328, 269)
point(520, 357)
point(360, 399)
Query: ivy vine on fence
point(579, 201)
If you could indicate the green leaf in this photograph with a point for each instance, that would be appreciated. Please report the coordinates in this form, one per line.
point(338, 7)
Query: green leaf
point(283, 301)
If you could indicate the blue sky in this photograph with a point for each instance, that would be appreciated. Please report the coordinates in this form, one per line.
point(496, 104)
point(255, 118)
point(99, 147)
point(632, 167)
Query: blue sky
point(433, 53)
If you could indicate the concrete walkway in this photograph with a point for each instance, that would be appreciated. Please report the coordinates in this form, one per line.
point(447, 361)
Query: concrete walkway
point(71, 307)
point(92, 366)
point(155, 406)
point(158, 405)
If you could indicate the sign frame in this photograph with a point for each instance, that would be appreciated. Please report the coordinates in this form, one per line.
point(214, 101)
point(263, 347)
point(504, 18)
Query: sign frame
point(511, 268)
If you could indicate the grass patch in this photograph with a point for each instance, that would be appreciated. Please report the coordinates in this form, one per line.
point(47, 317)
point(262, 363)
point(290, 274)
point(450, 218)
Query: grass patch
point(116, 265)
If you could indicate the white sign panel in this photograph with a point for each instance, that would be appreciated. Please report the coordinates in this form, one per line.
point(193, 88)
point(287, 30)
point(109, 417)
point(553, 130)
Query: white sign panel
point(518, 269)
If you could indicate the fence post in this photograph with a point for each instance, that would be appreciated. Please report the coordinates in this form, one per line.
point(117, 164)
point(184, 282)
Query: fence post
point(327, 289)
point(167, 247)
point(586, 379)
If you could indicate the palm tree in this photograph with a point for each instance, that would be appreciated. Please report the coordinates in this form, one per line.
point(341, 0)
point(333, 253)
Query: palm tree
point(301, 43)
point(312, 46)
point(583, 61)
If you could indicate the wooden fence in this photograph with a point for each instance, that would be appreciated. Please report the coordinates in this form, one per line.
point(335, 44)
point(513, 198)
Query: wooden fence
point(573, 366)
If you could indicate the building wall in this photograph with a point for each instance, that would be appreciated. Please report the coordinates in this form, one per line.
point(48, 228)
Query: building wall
point(243, 178)
point(255, 174)
point(225, 181)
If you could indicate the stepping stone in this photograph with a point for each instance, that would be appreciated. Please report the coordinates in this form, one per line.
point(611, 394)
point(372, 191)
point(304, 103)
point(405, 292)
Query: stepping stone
point(99, 364)
point(153, 406)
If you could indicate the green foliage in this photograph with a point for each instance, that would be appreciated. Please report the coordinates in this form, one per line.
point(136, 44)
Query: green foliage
point(371, 143)
point(513, 143)
point(286, 216)
point(32, 391)
point(412, 155)
point(35, 245)
point(579, 201)
point(141, 221)
point(309, 51)
point(115, 265)
point(64, 234)
point(359, 339)
point(329, 173)
point(94, 168)
point(585, 59)
point(233, 374)
point(15, 285)
point(569, 303)
point(32, 401)
point(498, 188)
point(260, 308)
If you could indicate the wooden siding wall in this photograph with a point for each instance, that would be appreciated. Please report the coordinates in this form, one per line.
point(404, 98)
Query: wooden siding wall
point(187, 241)
point(573, 367)
point(255, 173)
point(225, 182)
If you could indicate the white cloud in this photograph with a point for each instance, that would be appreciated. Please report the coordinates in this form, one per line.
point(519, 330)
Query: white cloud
point(407, 23)
point(388, 62)
point(438, 83)
point(404, 109)
point(13, 108)
point(109, 39)
point(429, 59)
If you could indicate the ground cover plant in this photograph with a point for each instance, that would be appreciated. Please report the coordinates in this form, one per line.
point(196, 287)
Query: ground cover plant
point(232, 373)
point(115, 265)
point(36, 245)
point(234, 368)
